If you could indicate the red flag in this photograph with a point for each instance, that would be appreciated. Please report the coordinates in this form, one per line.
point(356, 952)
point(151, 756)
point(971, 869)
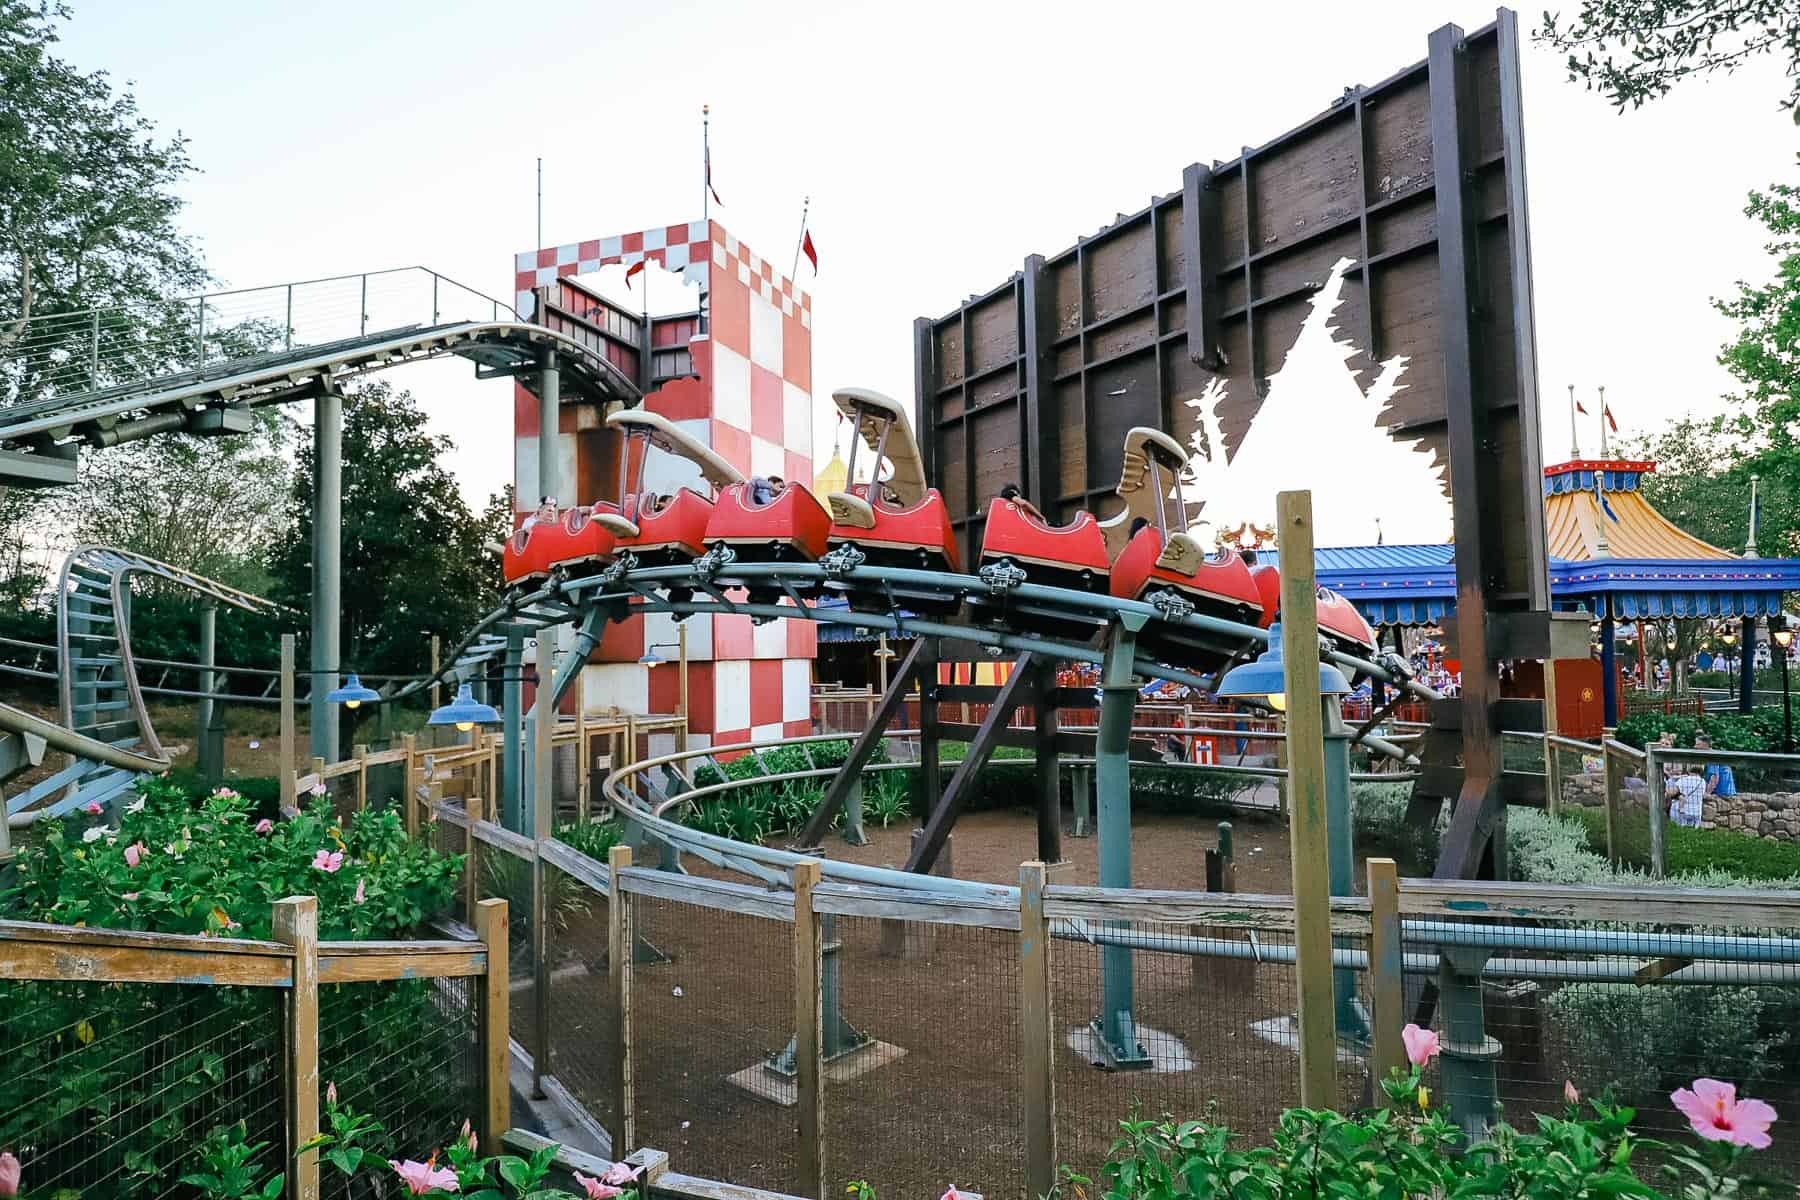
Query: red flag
point(1580, 408)
point(709, 183)
point(633, 269)
point(1611, 424)
point(806, 248)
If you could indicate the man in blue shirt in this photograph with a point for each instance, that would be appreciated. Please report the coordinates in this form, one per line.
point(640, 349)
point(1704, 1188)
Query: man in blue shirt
point(1719, 779)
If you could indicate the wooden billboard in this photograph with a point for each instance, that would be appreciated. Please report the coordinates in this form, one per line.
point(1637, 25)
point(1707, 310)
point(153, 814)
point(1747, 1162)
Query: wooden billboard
point(1417, 183)
point(1037, 380)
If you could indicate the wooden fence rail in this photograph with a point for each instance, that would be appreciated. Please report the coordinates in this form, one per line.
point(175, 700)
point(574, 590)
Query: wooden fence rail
point(298, 963)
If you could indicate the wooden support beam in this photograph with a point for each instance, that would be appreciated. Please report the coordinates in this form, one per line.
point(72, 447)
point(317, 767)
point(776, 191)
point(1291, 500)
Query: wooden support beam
point(296, 925)
point(1615, 801)
point(863, 748)
point(495, 1017)
point(1385, 964)
point(1037, 1034)
point(1018, 686)
point(809, 1031)
point(620, 937)
point(1306, 801)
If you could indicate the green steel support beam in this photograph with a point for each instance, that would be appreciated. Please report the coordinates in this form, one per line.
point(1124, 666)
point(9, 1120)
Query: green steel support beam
point(512, 686)
point(1468, 1054)
point(327, 578)
point(1352, 1019)
point(1116, 1026)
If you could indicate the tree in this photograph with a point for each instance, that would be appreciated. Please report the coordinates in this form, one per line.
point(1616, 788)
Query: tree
point(1765, 359)
point(1702, 483)
point(87, 222)
point(213, 505)
point(1633, 51)
point(414, 554)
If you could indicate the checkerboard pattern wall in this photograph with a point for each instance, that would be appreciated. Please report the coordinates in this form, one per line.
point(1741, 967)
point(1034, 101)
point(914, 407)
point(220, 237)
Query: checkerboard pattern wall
point(752, 404)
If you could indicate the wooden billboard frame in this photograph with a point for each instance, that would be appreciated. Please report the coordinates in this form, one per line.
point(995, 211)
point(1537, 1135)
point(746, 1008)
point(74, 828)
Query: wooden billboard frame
point(1036, 380)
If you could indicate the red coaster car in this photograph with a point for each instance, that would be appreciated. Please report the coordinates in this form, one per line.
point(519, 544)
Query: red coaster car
point(790, 526)
point(1066, 556)
point(661, 529)
point(1218, 587)
point(1339, 619)
point(573, 545)
point(894, 520)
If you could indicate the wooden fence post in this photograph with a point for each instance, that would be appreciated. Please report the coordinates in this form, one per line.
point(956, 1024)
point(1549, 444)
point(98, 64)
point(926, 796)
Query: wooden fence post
point(1037, 1052)
point(1658, 789)
point(809, 1031)
point(284, 770)
point(361, 751)
point(296, 924)
point(620, 937)
point(409, 799)
point(1385, 971)
point(472, 863)
point(540, 969)
point(1609, 772)
point(496, 1044)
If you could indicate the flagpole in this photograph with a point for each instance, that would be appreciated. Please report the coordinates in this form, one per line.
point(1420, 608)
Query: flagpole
point(1574, 434)
point(705, 162)
point(540, 206)
point(794, 271)
point(1603, 450)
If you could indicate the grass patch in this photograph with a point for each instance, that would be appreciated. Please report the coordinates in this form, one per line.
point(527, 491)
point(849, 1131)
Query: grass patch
point(1688, 851)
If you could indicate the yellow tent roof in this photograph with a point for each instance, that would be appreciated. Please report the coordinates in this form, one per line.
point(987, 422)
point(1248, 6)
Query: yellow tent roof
point(1589, 498)
point(833, 476)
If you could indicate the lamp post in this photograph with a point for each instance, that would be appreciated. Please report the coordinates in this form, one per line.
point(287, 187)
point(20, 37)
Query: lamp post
point(352, 695)
point(1729, 637)
point(652, 659)
point(1783, 635)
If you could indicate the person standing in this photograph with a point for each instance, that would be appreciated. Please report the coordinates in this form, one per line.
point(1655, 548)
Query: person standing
point(1720, 781)
point(1688, 790)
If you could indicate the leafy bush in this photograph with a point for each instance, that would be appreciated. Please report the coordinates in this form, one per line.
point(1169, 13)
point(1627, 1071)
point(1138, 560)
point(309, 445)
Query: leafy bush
point(1413, 1150)
point(1637, 1041)
point(592, 838)
point(1740, 858)
point(1757, 731)
point(81, 1054)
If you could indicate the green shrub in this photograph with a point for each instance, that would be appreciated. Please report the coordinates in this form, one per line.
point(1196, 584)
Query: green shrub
point(1639, 1041)
point(1757, 731)
point(1741, 859)
point(592, 838)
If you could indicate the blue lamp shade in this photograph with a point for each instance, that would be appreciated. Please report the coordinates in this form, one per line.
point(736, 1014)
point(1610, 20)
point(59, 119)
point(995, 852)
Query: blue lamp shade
point(651, 659)
point(1266, 678)
point(465, 712)
point(353, 693)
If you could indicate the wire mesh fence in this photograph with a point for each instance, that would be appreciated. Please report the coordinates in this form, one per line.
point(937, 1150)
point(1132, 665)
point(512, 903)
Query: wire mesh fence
point(407, 1053)
point(505, 875)
point(1218, 1033)
point(924, 1088)
point(1627, 1009)
point(449, 837)
point(711, 1005)
point(107, 1089)
point(583, 1033)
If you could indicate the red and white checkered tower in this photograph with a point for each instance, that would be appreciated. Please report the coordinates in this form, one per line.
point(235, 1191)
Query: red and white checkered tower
point(737, 374)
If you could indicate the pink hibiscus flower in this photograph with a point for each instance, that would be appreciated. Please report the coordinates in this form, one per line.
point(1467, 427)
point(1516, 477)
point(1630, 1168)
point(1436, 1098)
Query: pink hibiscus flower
point(264, 825)
point(92, 808)
point(421, 1177)
point(596, 1189)
point(10, 1172)
point(1717, 1115)
point(328, 861)
point(134, 853)
point(1421, 1045)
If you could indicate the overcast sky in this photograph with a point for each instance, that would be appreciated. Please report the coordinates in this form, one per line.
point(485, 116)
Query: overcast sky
point(940, 143)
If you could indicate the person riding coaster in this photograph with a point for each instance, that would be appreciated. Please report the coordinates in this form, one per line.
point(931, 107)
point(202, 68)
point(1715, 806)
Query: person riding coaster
point(660, 529)
point(1151, 560)
point(568, 545)
point(893, 520)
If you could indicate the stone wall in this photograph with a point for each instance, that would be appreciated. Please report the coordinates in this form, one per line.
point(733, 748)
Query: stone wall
point(1774, 816)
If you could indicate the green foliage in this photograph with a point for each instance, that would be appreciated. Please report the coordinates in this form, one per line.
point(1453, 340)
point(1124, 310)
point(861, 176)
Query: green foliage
point(1749, 861)
point(231, 1168)
point(85, 1054)
point(415, 555)
point(1758, 731)
point(1633, 51)
point(1406, 1150)
point(1639, 1041)
point(592, 838)
point(206, 869)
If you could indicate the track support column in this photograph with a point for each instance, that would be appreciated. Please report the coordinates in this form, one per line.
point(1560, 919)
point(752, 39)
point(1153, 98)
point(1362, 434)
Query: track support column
point(327, 579)
point(1116, 1027)
point(209, 755)
point(512, 690)
point(1352, 1018)
point(549, 425)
